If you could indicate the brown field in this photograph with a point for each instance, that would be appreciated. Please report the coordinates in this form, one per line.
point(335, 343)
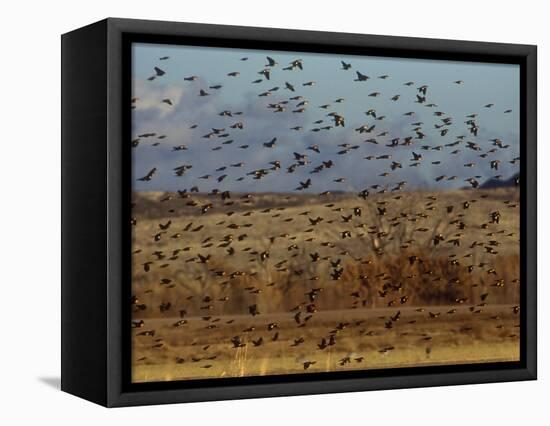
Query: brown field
point(398, 300)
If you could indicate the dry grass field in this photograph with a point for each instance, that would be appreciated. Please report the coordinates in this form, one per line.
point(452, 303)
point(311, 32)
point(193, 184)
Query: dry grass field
point(280, 283)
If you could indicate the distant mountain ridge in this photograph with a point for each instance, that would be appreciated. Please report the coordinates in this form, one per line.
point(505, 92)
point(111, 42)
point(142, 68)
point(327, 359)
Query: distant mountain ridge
point(499, 183)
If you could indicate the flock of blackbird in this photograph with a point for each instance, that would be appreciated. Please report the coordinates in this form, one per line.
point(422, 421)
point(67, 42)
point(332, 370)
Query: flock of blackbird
point(282, 89)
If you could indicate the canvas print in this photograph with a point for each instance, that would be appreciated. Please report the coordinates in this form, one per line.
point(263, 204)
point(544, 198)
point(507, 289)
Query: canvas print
point(298, 212)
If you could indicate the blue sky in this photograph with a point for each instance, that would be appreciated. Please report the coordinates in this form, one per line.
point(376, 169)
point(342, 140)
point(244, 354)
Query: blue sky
point(483, 84)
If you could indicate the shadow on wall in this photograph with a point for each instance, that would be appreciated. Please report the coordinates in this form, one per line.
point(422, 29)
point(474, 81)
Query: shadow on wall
point(54, 382)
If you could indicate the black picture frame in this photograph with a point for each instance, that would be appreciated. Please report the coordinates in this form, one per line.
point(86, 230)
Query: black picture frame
point(96, 202)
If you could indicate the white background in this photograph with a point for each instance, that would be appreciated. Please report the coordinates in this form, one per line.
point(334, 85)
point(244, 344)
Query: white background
point(30, 211)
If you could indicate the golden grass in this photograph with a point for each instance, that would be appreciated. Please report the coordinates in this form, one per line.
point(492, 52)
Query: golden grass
point(456, 339)
point(378, 278)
